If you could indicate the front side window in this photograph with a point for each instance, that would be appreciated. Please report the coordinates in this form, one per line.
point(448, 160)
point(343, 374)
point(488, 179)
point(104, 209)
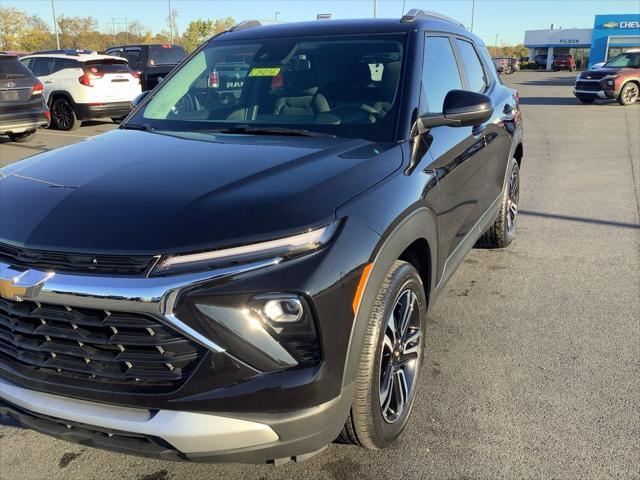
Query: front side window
point(472, 66)
point(134, 57)
point(626, 60)
point(343, 86)
point(439, 74)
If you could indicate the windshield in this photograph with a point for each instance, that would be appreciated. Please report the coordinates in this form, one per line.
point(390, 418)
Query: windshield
point(625, 60)
point(341, 85)
point(165, 55)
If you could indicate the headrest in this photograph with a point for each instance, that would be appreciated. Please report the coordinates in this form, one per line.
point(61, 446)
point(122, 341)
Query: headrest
point(357, 75)
point(390, 77)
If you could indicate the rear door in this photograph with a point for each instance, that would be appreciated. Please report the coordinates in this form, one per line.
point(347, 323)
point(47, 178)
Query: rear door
point(112, 79)
point(458, 157)
point(42, 67)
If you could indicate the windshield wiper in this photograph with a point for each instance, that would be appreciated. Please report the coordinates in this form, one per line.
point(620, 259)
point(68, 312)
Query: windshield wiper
point(246, 129)
point(135, 126)
point(12, 75)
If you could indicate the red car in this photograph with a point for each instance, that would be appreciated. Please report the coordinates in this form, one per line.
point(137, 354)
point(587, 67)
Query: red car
point(564, 62)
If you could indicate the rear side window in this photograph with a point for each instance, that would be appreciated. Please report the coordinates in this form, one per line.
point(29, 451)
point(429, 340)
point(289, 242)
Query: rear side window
point(439, 74)
point(472, 66)
point(134, 56)
point(10, 67)
point(165, 55)
point(64, 63)
point(42, 66)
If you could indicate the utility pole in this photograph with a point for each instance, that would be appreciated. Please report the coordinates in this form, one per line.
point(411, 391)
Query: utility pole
point(126, 30)
point(473, 12)
point(55, 24)
point(374, 8)
point(495, 49)
point(171, 21)
point(277, 13)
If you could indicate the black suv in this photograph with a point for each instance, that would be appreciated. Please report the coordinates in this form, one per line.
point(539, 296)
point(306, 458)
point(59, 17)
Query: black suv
point(22, 107)
point(151, 62)
point(248, 279)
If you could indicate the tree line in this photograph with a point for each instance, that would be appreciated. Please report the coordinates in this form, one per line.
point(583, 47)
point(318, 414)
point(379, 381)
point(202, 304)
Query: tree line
point(21, 32)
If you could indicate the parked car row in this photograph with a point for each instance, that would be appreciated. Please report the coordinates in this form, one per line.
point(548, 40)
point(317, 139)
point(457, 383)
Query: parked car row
point(64, 87)
point(506, 65)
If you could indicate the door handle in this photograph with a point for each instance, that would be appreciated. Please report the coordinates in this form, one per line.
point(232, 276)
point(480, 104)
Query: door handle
point(48, 81)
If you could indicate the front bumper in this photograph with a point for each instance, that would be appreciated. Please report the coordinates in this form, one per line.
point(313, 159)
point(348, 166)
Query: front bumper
point(115, 109)
point(597, 94)
point(305, 406)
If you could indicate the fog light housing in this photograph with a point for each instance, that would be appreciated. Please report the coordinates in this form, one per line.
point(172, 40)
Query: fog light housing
point(283, 310)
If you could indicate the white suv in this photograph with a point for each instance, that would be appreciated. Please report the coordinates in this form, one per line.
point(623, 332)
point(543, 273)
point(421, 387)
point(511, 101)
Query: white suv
point(79, 85)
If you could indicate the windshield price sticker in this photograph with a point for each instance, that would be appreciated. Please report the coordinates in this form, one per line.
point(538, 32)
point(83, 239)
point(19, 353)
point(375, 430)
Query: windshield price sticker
point(265, 72)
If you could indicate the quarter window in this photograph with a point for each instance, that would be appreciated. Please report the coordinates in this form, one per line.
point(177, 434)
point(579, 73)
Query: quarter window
point(439, 74)
point(472, 66)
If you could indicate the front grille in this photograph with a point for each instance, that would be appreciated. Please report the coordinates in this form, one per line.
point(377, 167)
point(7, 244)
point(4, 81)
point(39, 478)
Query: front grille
point(95, 345)
point(74, 262)
point(588, 86)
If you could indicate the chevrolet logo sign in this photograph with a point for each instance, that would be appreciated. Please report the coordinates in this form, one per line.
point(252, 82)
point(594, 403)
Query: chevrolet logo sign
point(21, 285)
point(610, 25)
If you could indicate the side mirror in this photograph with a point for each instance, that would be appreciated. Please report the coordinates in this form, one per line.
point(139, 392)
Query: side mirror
point(461, 109)
point(138, 100)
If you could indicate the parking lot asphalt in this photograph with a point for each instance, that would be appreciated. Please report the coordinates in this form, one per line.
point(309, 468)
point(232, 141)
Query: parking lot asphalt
point(533, 352)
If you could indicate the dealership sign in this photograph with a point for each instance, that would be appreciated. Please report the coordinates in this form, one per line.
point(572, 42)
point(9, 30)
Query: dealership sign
point(621, 25)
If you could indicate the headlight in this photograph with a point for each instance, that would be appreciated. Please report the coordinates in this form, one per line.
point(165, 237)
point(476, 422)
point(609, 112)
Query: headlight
point(277, 250)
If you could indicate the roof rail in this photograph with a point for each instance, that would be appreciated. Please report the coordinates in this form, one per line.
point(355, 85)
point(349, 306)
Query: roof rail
point(415, 13)
point(250, 24)
point(68, 51)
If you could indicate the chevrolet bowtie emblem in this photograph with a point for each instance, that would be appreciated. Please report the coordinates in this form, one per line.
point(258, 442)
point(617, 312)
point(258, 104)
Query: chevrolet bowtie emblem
point(21, 285)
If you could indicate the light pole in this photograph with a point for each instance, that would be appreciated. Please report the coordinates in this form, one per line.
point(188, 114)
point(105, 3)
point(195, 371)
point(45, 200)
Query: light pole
point(277, 13)
point(55, 24)
point(170, 22)
point(495, 49)
point(473, 12)
point(374, 8)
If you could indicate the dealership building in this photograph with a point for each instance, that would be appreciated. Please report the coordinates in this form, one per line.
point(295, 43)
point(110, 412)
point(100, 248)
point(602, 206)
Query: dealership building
point(610, 35)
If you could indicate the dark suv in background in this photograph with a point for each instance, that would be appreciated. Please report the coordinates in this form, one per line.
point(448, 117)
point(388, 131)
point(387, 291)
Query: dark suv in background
point(22, 106)
point(152, 62)
point(247, 277)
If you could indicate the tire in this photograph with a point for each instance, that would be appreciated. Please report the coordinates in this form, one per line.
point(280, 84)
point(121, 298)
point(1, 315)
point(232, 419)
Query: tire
point(503, 229)
point(377, 419)
point(63, 116)
point(22, 137)
point(629, 94)
point(586, 100)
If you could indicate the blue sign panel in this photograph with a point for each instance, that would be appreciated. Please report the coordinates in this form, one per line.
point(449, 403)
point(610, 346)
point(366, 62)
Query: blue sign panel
point(609, 30)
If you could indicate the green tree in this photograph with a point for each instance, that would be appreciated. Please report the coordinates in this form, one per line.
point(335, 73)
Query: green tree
point(13, 24)
point(78, 32)
point(200, 30)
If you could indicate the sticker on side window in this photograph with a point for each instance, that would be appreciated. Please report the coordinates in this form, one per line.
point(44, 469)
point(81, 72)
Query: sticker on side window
point(264, 72)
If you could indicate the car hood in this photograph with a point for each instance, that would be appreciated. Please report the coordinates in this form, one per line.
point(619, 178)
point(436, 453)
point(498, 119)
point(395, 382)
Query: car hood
point(150, 193)
point(599, 73)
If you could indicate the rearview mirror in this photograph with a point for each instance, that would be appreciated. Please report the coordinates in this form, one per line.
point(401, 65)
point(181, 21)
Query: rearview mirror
point(138, 100)
point(461, 109)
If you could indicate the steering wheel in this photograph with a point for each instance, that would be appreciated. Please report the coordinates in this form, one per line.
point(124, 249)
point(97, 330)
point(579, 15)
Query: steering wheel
point(362, 114)
point(187, 104)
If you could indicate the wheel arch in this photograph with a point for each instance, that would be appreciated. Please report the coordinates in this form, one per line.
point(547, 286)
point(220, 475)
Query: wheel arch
point(56, 94)
point(413, 239)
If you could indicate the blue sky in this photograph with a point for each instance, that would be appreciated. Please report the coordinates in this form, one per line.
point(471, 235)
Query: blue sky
point(508, 18)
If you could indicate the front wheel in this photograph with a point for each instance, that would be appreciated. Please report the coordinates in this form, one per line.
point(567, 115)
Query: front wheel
point(503, 229)
point(22, 137)
point(629, 94)
point(390, 362)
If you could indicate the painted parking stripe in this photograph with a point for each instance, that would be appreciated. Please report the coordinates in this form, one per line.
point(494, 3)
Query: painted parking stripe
point(64, 135)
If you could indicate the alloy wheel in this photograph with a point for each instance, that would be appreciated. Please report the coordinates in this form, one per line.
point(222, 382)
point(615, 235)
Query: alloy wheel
point(630, 93)
point(400, 356)
point(62, 114)
point(512, 201)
